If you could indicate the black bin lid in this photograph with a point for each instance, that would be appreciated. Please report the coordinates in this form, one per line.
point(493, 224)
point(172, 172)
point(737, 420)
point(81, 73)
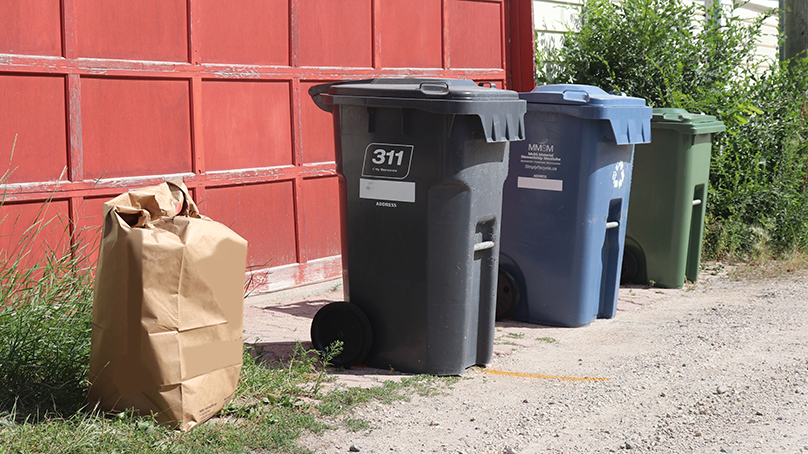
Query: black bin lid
point(501, 111)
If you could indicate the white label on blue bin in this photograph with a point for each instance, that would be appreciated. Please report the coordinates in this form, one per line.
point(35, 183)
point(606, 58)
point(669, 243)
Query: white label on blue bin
point(542, 184)
point(619, 174)
point(387, 160)
point(393, 191)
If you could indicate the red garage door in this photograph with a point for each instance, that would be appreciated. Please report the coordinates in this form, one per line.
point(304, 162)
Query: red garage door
point(100, 96)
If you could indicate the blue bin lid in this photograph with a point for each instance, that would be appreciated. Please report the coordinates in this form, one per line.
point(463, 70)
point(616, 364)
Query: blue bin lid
point(630, 118)
point(500, 111)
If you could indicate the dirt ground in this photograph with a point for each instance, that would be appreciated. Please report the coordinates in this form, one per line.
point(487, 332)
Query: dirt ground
point(720, 366)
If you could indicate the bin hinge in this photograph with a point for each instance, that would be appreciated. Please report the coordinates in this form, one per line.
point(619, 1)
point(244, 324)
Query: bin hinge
point(483, 245)
point(612, 224)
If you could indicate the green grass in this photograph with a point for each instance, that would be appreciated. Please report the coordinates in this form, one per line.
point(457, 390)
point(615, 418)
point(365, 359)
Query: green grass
point(45, 333)
point(274, 405)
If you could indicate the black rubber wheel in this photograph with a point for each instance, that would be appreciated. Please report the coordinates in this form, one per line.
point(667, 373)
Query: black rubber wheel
point(344, 322)
point(628, 271)
point(508, 295)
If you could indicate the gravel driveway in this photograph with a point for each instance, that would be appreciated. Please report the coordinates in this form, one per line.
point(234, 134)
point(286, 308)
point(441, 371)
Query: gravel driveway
point(720, 366)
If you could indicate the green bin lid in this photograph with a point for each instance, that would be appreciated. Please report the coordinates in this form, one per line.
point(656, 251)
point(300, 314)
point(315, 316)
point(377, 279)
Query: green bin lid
point(685, 122)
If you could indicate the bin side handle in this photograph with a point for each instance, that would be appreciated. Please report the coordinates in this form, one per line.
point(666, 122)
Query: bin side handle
point(696, 202)
point(612, 224)
point(318, 92)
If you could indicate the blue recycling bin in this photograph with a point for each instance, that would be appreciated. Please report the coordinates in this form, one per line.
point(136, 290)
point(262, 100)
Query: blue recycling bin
point(565, 203)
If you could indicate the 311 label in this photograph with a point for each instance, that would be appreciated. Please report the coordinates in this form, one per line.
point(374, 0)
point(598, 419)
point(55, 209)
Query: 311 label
point(387, 160)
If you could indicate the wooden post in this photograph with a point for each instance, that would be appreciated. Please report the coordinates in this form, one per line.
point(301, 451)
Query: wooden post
point(795, 26)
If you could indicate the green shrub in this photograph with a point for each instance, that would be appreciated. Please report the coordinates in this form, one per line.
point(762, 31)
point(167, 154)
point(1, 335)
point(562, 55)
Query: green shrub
point(758, 199)
point(654, 49)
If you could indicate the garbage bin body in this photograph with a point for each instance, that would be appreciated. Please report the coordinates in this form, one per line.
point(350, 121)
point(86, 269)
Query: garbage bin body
point(665, 226)
point(421, 185)
point(565, 202)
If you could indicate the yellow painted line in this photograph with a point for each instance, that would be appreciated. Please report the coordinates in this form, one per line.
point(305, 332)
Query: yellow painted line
point(554, 377)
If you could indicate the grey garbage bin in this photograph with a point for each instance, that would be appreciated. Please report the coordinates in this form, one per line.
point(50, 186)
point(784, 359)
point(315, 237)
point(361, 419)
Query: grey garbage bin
point(421, 164)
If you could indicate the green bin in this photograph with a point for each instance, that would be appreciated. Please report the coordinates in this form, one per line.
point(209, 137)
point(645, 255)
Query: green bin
point(665, 224)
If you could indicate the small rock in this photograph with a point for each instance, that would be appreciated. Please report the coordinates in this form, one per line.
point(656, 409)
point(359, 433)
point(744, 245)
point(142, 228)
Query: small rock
point(662, 394)
point(525, 401)
point(757, 413)
point(721, 389)
point(509, 450)
point(353, 448)
point(434, 423)
point(630, 445)
point(727, 450)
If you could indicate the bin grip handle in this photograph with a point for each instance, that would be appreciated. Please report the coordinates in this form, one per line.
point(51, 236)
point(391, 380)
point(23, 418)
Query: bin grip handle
point(434, 87)
point(483, 245)
point(576, 96)
point(612, 225)
point(696, 202)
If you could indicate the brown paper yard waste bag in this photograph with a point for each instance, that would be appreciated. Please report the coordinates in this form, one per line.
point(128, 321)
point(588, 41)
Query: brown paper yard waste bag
point(167, 315)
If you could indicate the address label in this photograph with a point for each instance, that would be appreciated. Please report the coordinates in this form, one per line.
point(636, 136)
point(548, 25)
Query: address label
point(542, 184)
point(393, 191)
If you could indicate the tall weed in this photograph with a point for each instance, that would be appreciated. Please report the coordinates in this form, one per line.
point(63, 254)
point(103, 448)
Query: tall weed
point(45, 324)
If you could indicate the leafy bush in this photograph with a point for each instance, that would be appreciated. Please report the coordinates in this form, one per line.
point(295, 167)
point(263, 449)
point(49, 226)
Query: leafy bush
point(759, 171)
point(655, 49)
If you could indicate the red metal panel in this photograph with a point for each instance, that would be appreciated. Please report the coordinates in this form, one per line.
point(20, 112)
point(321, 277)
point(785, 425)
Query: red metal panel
point(475, 34)
point(261, 213)
point(135, 127)
point(318, 129)
point(244, 31)
point(234, 121)
point(33, 228)
point(335, 33)
point(30, 27)
point(321, 215)
point(411, 34)
point(132, 30)
point(246, 124)
point(33, 114)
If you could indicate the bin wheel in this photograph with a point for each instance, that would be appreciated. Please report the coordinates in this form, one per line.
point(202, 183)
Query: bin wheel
point(628, 272)
point(508, 295)
point(344, 322)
